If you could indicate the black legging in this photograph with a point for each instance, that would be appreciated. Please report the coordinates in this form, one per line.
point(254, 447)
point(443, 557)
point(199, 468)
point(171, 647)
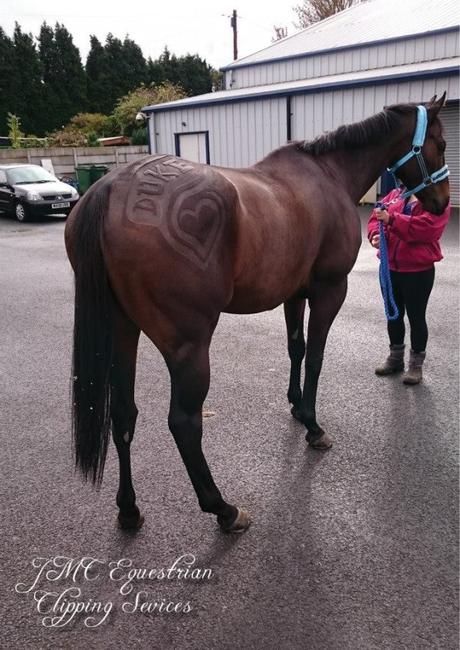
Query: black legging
point(411, 292)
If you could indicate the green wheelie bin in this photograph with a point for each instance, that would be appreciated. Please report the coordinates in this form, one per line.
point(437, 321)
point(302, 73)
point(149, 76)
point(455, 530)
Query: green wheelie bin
point(89, 174)
point(97, 172)
point(83, 173)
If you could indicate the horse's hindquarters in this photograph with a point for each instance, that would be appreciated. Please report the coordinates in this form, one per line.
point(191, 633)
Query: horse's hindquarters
point(168, 247)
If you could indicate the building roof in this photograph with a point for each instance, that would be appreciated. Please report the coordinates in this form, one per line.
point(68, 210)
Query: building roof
point(422, 70)
point(369, 21)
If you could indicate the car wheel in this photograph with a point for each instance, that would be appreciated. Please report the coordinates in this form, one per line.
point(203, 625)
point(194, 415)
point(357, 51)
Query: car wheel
point(21, 212)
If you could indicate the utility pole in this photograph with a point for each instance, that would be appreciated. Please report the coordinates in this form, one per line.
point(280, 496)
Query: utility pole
point(233, 23)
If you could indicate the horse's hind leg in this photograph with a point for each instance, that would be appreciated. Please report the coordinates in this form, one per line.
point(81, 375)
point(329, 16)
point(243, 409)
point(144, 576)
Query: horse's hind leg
point(325, 300)
point(124, 412)
point(294, 311)
point(189, 370)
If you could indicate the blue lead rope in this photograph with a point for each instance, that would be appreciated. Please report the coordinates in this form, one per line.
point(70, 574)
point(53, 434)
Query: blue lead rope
point(391, 310)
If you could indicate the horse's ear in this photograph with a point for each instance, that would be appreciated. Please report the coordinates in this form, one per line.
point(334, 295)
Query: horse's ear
point(434, 106)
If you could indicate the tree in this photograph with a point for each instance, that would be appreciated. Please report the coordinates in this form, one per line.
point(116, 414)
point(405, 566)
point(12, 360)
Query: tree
point(7, 68)
point(112, 71)
point(190, 72)
point(312, 11)
point(134, 64)
point(104, 68)
point(63, 75)
point(27, 89)
point(71, 76)
point(160, 70)
point(118, 70)
point(50, 63)
point(129, 106)
point(193, 75)
point(96, 77)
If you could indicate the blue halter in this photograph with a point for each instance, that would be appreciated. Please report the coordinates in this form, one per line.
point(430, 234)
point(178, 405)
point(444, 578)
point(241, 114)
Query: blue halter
point(417, 144)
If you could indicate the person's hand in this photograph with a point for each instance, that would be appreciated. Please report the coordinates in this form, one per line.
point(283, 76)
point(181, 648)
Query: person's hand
point(375, 241)
point(382, 215)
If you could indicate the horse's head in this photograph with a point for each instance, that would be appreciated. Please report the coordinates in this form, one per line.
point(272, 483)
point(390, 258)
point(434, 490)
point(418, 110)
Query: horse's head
point(420, 164)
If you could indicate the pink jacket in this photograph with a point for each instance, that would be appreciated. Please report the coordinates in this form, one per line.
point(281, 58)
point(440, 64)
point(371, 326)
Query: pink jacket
point(412, 233)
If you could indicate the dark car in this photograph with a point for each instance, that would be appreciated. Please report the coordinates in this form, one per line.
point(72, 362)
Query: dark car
point(29, 191)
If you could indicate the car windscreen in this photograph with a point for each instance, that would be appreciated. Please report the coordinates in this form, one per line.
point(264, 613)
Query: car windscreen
point(28, 174)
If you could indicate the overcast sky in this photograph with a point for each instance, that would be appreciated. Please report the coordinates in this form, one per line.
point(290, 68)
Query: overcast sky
point(199, 27)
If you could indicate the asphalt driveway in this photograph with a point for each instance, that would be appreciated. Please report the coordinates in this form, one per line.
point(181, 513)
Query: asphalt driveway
point(356, 548)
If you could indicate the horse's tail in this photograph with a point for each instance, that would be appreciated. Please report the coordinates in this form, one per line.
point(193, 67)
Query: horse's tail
point(92, 338)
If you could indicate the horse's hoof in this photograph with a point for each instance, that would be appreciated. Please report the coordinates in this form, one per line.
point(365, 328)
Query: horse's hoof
point(241, 522)
point(131, 523)
point(323, 442)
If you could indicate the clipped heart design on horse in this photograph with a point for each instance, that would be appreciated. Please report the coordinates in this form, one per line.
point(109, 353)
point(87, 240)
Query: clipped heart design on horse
point(195, 223)
point(198, 222)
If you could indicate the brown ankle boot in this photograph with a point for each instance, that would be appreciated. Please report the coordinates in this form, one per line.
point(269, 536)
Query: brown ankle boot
point(414, 374)
point(394, 363)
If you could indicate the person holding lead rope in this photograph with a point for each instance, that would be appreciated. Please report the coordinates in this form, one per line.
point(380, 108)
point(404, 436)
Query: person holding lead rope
point(412, 236)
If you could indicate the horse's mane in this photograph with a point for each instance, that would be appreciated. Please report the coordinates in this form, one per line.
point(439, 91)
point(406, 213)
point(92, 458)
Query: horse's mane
point(369, 131)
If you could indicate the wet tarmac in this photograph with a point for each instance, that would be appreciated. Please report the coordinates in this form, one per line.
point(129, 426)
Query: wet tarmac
point(356, 548)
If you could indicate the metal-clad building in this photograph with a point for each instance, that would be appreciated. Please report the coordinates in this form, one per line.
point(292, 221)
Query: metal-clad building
point(338, 71)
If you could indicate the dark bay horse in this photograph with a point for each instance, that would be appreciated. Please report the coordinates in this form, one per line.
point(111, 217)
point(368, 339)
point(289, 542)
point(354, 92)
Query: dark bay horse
point(164, 245)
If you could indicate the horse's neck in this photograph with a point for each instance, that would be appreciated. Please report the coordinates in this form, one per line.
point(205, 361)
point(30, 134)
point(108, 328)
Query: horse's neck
point(360, 168)
point(355, 169)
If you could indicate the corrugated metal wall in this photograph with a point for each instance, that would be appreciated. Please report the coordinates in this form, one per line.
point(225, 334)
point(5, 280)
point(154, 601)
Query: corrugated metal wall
point(450, 119)
point(313, 114)
point(239, 134)
point(413, 50)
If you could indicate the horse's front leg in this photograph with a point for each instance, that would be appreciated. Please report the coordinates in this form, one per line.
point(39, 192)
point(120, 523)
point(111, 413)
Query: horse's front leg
point(325, 300)
point(189, 370)
point(294, 311)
